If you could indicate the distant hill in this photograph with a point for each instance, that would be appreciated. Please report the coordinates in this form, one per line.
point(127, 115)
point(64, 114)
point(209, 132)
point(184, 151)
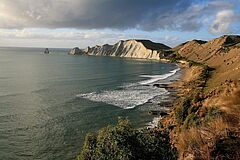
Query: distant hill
point(152, 45)
point(222, 53)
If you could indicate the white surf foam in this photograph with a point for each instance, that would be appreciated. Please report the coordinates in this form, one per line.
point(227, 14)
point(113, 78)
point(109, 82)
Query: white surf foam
point(154, 122)
point(131, 95)
point(155, 78)
point(126, 98)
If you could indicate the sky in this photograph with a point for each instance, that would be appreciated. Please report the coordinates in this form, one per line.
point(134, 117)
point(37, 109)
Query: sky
point(82, 23)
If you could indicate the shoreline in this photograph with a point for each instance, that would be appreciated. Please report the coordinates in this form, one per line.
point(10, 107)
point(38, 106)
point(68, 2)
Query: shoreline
point(173, 90)
point(191, 90)
point(203, 122)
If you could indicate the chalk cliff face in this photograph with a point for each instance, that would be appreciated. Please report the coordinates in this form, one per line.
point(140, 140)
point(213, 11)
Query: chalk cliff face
point(76, 51)
point(143, 49)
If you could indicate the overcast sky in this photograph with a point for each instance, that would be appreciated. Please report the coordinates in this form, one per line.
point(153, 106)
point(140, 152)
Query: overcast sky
point(69, 23)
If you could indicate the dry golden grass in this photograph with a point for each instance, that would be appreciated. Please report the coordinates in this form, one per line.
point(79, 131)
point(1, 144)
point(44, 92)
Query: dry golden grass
point(220, 137)
point(232, 108)
point(192, 143)
point(199, 142)
point(235, 100)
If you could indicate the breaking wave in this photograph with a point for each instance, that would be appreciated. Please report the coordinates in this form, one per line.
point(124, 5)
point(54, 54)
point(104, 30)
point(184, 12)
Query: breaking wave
point(155, 78)
point(131, 95)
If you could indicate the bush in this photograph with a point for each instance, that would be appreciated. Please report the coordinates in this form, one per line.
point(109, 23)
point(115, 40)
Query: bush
point(205, 75)
point(226, 148)
point(192, 120)
point(193, 63)
point(124, 142)
point(176, 58)
point(211, 113)
point(182, 110)
point(186, 113)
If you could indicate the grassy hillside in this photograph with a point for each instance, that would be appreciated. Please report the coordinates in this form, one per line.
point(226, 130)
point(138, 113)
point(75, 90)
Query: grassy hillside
point(207, 116)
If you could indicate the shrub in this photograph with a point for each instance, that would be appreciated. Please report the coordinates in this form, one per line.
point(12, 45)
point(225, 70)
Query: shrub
point(192, 120)
point(182, 110)
point(193, 63)
point(176, 58)
point(226, 148)
point(90, 143)
point(124, 142)
point(205, 75)
point(211, 113)
point(187, 112)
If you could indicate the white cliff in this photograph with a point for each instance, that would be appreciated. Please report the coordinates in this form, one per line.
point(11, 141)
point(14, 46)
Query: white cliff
point(76, 51)
point(142, 49)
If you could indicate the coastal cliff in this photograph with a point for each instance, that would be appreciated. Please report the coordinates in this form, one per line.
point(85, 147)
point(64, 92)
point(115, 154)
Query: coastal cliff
point(141, 49)
point(76, 51)
point(204, 122)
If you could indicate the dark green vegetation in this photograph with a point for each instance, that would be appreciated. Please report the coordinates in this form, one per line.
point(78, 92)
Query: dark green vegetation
point(124, 142)
point(191, 114)
point(231, 41)
point(227, 148)
point(189, 111)
point(203, 77)
point(171, 55)
point(193, 63)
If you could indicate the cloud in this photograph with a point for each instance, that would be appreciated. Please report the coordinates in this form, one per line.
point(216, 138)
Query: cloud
point(82, 38)
point(193, 18)
point(223, 21)
point(86, 14)
point(62, 37)
point(183, 15)
point(58, 34)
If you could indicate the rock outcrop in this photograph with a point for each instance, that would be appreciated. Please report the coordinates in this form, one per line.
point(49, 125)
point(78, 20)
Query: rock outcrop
point(76, 51)
point(142, 49)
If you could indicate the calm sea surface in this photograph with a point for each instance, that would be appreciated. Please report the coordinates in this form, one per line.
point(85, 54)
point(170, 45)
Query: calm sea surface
point(49, 102)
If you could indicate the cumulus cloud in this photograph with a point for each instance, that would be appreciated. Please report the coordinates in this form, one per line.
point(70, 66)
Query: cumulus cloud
point(223, 21)
point(184, 15)
point(92, 37)
point(54, 34)
point(81, 13)
point(62, 37)
point(90, 22)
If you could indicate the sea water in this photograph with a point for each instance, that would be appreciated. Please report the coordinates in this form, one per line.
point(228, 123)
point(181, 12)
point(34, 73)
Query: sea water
point(49, 102)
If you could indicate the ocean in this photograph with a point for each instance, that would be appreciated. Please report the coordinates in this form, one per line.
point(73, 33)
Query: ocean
point(49, 102)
